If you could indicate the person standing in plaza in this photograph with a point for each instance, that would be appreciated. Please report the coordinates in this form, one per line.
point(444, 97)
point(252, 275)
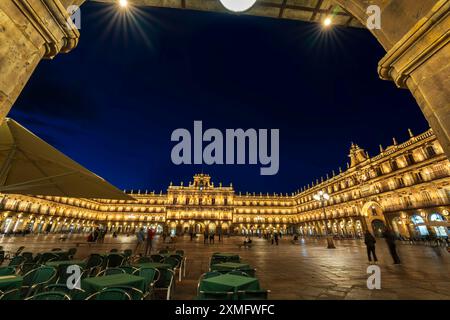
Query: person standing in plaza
point(150, 235)
point(96, 234)
point(390, 240)
point(370, 241)
point(205, 237)
point(275, 236)
point(140, 240)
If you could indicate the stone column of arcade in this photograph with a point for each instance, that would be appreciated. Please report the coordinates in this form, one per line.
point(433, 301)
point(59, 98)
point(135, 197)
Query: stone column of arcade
point(30, 31)
point(420, 61)
point(415, 35)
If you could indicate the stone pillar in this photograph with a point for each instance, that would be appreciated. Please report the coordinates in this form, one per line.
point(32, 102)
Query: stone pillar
point(29, 31)
point(420, 61)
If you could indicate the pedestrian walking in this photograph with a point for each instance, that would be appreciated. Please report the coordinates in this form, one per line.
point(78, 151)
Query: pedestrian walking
point(390, 240)
point(275, 236)
point(140, 240)
point(96, 234)
point(370, 241)
point(149, 244)
point(205, 237)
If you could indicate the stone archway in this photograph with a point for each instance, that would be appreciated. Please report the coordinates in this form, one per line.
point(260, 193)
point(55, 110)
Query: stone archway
point(372, 211)
point(415, 35)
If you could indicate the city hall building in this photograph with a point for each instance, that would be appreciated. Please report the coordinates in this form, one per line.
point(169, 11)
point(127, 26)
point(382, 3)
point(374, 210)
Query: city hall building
point(406, 187)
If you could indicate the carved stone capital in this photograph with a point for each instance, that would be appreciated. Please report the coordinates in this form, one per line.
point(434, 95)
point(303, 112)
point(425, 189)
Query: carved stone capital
point(430, 35)
point(51, 21)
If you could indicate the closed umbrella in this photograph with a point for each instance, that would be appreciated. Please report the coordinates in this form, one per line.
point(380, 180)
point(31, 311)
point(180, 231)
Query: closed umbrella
point(29, 165)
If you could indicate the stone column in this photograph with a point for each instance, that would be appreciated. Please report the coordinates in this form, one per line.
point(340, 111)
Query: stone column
point(29, 31)
point(420, 61)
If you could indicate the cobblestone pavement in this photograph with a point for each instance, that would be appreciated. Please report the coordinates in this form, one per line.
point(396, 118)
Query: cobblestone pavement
point(294, 271)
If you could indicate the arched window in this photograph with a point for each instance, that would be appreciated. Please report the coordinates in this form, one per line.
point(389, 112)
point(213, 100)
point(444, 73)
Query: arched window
point(440, 230)
point(419, 225)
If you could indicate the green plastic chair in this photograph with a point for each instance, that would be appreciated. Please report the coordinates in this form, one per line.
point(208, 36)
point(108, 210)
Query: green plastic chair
point(110, 294)
point(110, 271)
point(18, 251)
point(157, 258)
point(251, 272)
point(93, 264)
point(216, 295)
point(13, 294)
point(181, 265)
point(114, 260)
point(163, 251)
point(54, 295)
point(27, 267)
point(144, 260)
point(74, 294)
point(134, 293)
point(165, 283)
point(253, 294)
point(239, 273)
point(175, 264)
point(28, 256)
point(47, 257)
point(36, 279)
point(128, 252)
point(17, 261)
point(7, 271)
point(128, 269)
point(71, 253)
point(180, 252)
point(151, 276)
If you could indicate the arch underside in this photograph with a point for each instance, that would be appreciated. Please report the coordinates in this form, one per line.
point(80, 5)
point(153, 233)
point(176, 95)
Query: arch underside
point(398, 16)
point(304, 10)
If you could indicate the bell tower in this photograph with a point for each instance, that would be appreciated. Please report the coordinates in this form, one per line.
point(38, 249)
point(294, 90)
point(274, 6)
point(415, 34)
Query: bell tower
point(357, 155)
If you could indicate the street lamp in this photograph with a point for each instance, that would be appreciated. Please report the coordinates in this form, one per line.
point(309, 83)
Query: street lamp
point(327, 22)
point(123, 3)
point(238, 5)
point(322, 197)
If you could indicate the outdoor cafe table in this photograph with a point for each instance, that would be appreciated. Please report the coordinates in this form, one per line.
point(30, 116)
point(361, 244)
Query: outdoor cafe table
point(95, 284)
point(227, 256)
point(229, 283)
point(10, 282)
point(229, 266)
point(56, 264)
point(165, 275)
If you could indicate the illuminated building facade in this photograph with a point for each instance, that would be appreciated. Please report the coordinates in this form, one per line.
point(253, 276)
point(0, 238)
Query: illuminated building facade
point(406, 187)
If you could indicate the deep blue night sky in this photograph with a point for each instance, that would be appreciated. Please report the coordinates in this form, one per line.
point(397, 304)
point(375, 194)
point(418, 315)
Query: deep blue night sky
point(113, 102)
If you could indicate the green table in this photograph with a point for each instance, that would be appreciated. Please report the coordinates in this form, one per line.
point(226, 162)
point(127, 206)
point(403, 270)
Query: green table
point(227, 256)
point(229, 283)
point(156, 265)
point(56, 264)
point(96, 284)
point(229, 266)
point(10, 282)
point(163, 268)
